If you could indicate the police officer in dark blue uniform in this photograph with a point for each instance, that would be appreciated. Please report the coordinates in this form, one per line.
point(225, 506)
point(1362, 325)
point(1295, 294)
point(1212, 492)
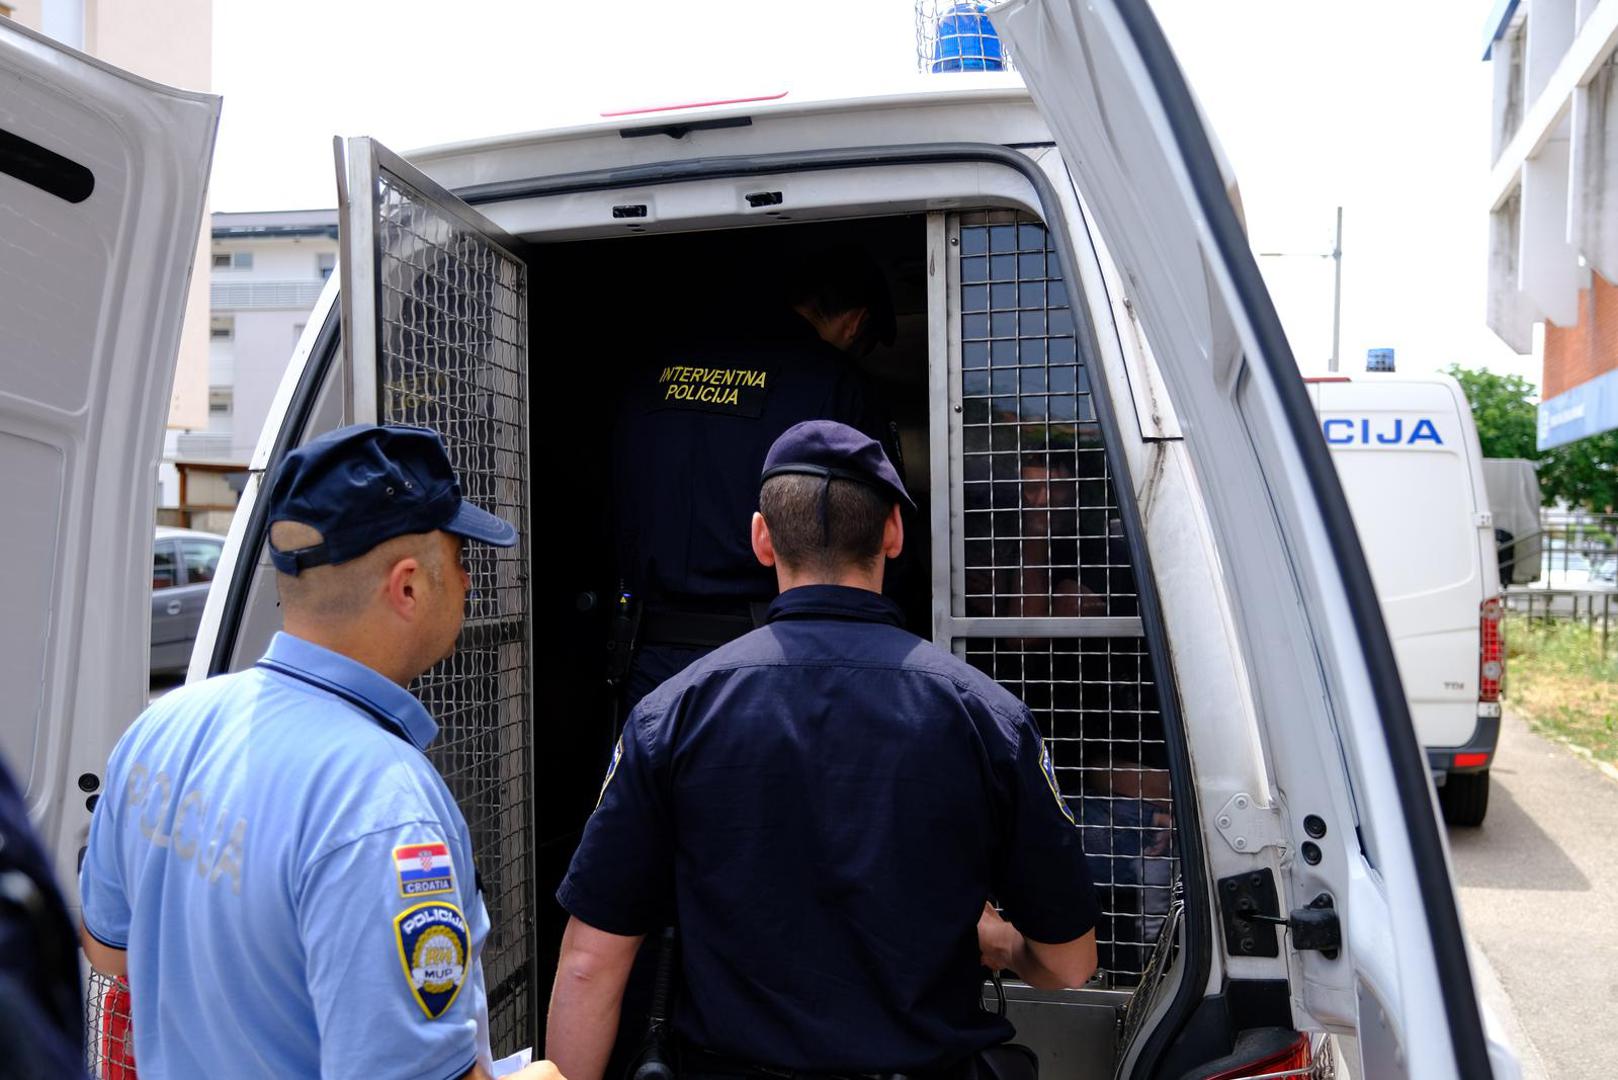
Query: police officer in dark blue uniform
point(824, 807)
point(693, 430)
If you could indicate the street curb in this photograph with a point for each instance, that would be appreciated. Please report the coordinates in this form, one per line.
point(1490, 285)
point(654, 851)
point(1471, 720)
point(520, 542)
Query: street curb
point(1607, 769)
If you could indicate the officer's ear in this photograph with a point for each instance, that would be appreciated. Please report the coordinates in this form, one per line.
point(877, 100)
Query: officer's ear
point(893, 533)
point(763, 546)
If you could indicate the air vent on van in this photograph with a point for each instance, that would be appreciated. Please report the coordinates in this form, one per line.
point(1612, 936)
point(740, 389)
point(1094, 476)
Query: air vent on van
point(629, 210)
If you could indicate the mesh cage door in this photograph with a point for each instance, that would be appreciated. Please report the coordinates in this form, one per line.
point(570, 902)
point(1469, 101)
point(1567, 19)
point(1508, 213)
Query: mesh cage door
point(1033, 581)
point(435, 334)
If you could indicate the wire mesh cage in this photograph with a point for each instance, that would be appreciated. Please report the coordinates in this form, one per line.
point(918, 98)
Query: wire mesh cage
point(452, 356)
point(956, 35)
point(1041, 551)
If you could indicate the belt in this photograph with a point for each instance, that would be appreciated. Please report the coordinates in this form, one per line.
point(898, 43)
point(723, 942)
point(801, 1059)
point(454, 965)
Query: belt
point(695, 1062)
point(661, 625)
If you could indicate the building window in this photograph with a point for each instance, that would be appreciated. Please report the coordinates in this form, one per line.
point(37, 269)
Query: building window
point(222, 328)
point(221, 260)
point(221, 400)
point(326, 262)
point(241, 260)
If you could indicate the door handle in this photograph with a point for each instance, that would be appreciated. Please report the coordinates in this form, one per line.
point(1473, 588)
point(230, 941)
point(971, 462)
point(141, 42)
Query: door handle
point(174, 607)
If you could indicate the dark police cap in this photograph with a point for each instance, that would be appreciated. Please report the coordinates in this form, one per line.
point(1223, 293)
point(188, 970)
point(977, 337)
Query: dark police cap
point(368, 483)
point(827, 448)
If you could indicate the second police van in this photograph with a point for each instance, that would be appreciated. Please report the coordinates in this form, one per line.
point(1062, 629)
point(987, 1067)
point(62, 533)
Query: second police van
point(1408, 455)
point(1078, 309)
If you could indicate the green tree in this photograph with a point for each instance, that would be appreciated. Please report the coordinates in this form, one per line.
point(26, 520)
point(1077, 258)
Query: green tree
point(1582, 473)
point(1503, 410)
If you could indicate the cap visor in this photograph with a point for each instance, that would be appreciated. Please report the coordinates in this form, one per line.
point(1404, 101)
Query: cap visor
point(476, 524)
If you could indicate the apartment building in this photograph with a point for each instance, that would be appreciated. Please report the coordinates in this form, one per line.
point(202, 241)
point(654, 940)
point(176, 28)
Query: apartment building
point(1553, 214)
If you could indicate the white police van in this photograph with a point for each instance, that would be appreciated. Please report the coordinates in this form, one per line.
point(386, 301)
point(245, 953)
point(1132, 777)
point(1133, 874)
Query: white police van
point(1408, 455)
point(1128, 514)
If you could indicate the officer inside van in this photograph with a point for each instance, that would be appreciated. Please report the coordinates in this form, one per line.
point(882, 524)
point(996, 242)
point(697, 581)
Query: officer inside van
point(693, 429)
point(783, 799)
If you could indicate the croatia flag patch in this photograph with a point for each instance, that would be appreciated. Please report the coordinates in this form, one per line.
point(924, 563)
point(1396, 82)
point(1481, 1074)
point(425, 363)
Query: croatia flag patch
point(424, 869)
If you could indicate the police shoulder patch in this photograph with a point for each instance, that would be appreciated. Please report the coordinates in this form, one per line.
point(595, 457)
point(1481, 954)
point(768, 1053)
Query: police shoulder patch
point(435, 949)
point(1048, 767)
point(612, 769)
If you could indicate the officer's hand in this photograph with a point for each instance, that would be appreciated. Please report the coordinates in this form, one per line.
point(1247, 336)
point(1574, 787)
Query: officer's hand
point(998, 940)
point(539, 1070)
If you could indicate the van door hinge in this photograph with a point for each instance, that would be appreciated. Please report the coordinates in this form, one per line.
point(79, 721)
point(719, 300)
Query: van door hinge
point(1248, 827)
point(1314, 928)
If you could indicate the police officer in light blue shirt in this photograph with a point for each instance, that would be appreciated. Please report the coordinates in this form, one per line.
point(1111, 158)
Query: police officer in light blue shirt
point(277, 866)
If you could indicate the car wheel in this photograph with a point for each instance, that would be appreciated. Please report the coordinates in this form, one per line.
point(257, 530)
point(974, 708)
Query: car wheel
point(1465, 798)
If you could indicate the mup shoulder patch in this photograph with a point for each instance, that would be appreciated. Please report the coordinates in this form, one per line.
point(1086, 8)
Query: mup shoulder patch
point(1048, 767)
point(434, 946)
point(424, 869)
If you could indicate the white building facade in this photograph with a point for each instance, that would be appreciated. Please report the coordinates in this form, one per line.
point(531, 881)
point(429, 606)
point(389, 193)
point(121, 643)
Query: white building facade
point(265, 271)
point(1553, 250)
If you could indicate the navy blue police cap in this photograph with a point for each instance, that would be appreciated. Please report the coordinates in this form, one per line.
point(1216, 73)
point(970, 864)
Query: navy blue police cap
point(829, 449)
point(368, 483)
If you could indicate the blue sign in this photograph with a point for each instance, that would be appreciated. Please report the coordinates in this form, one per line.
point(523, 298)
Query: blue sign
point(1378, 359)
point(1588, 409)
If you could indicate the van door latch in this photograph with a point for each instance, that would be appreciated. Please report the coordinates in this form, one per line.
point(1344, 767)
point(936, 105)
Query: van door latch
point(1314, 928)
point(1248, 827)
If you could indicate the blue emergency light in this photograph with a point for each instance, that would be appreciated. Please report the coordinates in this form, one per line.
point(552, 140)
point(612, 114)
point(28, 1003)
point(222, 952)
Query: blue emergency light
point(966, 40)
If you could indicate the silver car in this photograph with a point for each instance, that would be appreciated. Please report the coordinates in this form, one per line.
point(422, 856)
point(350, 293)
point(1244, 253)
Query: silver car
point(183, 563)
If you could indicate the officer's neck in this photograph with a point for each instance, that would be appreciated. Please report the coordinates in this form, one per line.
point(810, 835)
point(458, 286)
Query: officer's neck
point(364, 643)
point(854, 576)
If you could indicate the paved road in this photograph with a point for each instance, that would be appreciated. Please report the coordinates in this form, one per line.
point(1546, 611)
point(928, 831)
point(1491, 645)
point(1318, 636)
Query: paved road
point(1539, 894)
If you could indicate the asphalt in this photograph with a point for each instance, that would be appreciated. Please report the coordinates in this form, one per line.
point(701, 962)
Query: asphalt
point(1538, 887)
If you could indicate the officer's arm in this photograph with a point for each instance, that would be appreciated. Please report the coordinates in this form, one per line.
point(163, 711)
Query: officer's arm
point(111, 962)
point(1037, 963)
point(585, 1002)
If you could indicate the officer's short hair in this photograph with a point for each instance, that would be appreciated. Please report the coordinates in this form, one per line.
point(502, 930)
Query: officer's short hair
point(839, 279)
point(850, 532)
point(343, 591)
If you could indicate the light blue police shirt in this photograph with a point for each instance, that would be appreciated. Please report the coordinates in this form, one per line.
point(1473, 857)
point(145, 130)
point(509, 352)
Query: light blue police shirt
point(291, 878)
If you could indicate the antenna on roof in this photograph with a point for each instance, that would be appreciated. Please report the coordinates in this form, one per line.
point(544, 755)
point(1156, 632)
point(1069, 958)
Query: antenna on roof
point(956, 35)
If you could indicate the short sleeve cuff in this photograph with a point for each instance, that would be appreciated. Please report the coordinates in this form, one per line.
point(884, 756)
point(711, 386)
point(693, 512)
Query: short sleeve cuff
point(602, 916)
point(1052, 927)
point(111, 941)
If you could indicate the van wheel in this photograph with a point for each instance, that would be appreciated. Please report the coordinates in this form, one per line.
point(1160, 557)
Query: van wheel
point(1465, 798)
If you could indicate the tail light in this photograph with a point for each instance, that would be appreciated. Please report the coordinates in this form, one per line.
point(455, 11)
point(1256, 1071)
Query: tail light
point(117, 1049)
point(1491, 649)
point(1296, 1059)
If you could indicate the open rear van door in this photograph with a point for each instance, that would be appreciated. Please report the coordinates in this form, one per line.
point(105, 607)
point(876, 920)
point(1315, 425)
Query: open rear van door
point(103, 178)
point(1338, 736)
point(435, 335)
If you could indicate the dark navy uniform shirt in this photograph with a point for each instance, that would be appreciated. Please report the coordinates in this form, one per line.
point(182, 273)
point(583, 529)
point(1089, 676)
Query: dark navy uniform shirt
point(692, 434)
point(822, 807)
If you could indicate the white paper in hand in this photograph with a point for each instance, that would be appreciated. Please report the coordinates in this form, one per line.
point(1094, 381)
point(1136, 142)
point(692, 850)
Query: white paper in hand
point(508, 1065)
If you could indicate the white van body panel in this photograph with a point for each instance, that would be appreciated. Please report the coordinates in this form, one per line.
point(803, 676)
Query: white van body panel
point(92, 294)
point(1407, 452)
point(1086, 73)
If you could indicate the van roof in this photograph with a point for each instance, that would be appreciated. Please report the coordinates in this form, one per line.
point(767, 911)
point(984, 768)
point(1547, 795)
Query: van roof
point(929, 90)
point(986, 107)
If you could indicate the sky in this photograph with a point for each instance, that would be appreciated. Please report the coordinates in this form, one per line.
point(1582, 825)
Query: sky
point(1378, 106)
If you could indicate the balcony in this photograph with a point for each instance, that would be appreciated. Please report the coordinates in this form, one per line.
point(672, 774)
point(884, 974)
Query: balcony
point(264, 295)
